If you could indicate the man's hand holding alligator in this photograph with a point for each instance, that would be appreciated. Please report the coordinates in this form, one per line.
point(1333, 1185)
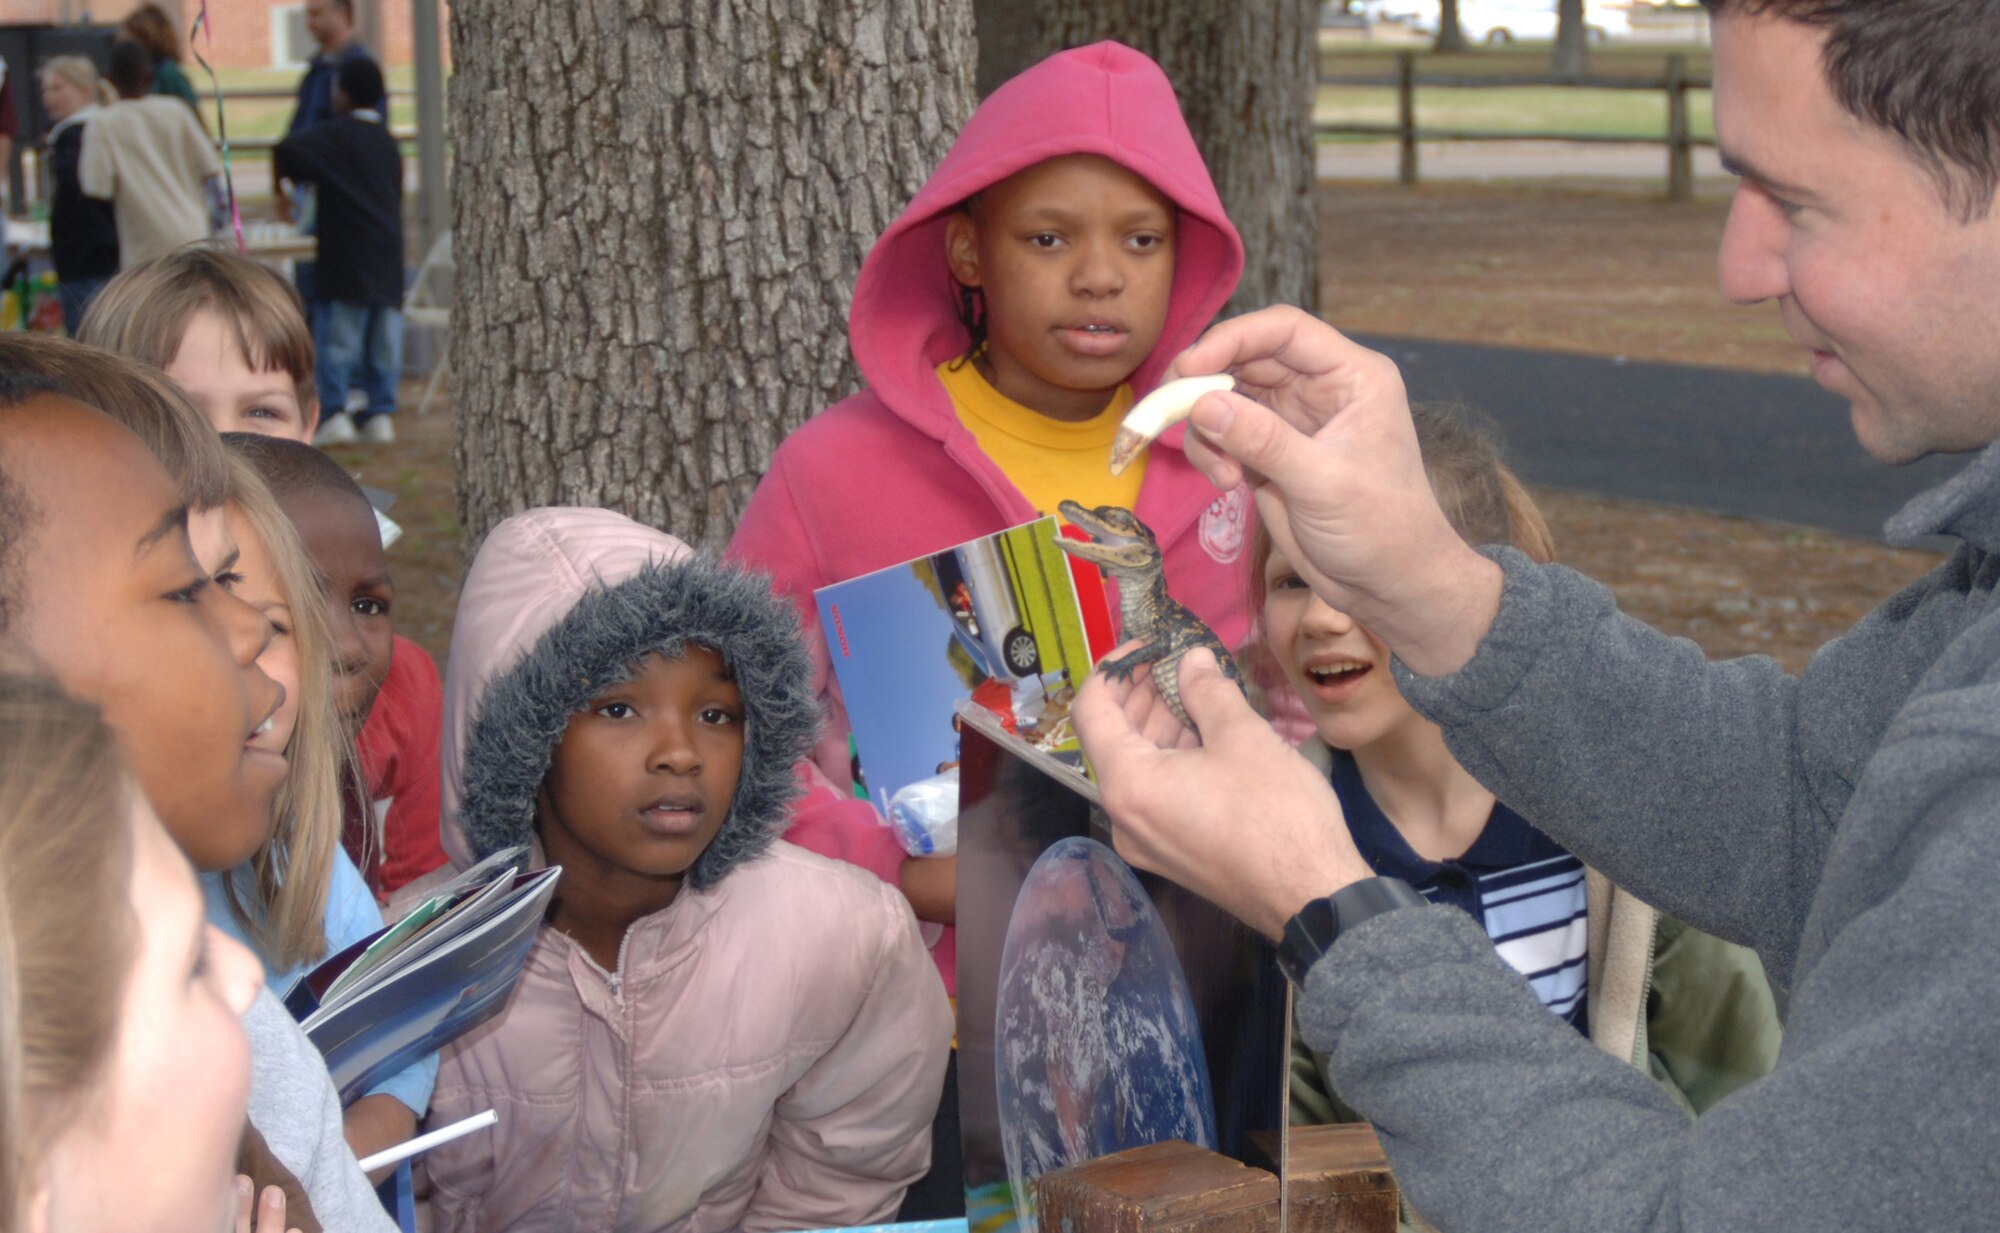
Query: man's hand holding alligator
point(1320, 427)
point(1186, 811)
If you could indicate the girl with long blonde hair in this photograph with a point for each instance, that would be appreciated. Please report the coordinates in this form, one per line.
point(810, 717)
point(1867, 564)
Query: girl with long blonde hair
point(300, 898)
point(119, 1007)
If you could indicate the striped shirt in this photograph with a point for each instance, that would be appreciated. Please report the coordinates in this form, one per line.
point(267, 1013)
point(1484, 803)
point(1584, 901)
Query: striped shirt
point(1522, 888)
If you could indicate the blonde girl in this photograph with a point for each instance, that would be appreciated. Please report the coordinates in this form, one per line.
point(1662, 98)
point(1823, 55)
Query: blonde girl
point(300, 898)
point(124, 1071)
point(1692, 1011)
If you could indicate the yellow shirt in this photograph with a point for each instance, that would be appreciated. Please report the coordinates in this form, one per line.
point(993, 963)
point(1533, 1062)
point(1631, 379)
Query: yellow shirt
point(1048, 460)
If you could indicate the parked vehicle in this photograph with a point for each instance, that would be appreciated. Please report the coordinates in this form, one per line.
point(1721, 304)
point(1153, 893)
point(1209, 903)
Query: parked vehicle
point(987, 616)
point(1500, 22)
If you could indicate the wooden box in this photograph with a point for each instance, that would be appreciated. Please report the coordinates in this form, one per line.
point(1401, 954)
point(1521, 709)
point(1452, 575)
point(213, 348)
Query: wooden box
point(1340, 1184)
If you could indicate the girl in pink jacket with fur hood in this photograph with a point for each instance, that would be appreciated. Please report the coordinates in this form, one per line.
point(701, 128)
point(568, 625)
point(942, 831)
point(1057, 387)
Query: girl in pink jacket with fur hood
point(715, 1029)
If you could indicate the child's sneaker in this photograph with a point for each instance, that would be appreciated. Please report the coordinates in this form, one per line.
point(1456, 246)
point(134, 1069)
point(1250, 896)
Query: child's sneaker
point(378, 430)
point(336, 429)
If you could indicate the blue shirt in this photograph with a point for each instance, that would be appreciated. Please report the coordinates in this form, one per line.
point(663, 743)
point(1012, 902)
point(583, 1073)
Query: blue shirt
point(315, 105)
point(351, 915)
point(1522, 887)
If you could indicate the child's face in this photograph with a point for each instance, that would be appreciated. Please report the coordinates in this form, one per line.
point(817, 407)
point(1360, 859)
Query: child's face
point(180, 1059)
point(256, 584)
point(232, 395)
point(644, 776)
point(340, 535)
point(117, 605)
point(1339, 668)
point(1075, 257)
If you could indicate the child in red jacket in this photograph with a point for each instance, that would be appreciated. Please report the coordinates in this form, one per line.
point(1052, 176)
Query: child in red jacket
point(387, 686)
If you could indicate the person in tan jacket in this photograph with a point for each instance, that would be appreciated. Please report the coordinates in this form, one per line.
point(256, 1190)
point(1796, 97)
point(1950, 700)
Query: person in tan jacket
point(715, 1029)
point(148, 157)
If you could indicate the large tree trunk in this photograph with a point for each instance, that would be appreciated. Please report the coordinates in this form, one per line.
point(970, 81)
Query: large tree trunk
point(661, 207)
point(1245, 72)
point(1572, 55)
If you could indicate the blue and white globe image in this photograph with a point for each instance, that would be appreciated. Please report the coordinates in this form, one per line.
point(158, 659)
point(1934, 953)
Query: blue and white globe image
point(1097, 1046)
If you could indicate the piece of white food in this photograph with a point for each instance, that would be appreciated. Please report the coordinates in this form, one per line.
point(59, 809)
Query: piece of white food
point(1159, 411)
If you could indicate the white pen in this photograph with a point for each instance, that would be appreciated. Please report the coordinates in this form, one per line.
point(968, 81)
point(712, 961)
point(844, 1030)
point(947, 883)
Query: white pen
point(424, 1143)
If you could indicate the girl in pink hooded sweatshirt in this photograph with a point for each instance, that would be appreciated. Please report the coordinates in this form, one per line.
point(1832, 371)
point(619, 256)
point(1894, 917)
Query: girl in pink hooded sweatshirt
point(1068, 247)
point(715, 1029)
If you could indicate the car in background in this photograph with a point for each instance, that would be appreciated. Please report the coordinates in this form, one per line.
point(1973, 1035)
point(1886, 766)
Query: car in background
point(1399, 12)
point(1500, 22)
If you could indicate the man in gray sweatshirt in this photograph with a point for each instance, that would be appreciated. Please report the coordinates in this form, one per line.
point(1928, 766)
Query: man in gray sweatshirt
point(1845, 823)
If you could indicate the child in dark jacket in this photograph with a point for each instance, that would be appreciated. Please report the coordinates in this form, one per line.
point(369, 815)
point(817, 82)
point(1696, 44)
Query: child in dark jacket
point(356, 305)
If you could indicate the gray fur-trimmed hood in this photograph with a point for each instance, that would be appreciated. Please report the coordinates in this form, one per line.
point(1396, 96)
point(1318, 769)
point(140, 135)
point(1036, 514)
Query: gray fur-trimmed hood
point(557, 607)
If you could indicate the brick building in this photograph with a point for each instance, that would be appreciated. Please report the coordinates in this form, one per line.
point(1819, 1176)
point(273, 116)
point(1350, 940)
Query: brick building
point(248, 33)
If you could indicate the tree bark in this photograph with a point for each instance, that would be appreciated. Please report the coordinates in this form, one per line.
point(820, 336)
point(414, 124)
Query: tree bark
point(1451, 35)
point(661, 207)
point(1245, 71)
point(1572, 54)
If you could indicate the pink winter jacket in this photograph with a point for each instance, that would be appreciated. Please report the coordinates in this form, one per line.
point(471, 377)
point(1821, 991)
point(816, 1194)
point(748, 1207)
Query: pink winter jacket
point(890, 473)
point(769, 1054)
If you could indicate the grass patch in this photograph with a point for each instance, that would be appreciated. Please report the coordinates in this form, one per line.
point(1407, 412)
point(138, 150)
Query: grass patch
point(257, 118)
point(1637, 115)
point(1631, 114)
point(1623, 61)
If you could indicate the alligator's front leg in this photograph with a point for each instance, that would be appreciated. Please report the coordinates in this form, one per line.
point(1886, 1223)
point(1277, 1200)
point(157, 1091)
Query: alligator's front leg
point(1122, 668)
point(1167, 673)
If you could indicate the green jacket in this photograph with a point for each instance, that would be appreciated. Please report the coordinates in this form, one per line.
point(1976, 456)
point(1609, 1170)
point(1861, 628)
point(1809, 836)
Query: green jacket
point(170, 78)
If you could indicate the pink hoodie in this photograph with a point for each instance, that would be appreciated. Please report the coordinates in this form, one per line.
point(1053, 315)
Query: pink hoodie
point(890, 474)
point(771, 1050)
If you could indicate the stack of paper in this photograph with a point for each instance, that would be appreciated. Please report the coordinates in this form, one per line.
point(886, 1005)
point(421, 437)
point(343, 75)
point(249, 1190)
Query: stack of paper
point(416, 985)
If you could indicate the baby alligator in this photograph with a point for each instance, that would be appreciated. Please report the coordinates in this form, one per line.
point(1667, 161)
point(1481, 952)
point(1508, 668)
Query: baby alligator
point(1124, 548)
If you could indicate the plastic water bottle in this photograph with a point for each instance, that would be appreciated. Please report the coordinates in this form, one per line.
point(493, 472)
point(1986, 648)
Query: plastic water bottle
point(924, 815)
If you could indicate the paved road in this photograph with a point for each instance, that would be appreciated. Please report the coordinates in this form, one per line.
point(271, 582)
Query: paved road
point(1752, 444)
point(1517, 160)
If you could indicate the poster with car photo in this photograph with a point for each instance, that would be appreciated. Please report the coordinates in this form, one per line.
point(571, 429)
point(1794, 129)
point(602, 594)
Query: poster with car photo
point(995, 620)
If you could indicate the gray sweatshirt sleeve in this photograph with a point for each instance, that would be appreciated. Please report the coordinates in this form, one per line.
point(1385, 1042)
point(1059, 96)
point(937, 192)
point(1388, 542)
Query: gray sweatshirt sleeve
point(294, 1105)
point(1708, 789)
point(1878, 1116)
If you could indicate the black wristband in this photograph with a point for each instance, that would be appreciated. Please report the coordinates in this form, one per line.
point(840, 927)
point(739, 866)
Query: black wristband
point(1320, 923)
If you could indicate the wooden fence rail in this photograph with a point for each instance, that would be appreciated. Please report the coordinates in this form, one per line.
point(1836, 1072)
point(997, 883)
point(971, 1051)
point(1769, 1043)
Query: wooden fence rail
point(259, 146)
point(1679, 138)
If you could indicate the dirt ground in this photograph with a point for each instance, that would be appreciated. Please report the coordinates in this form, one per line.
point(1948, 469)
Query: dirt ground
point(1594, 269)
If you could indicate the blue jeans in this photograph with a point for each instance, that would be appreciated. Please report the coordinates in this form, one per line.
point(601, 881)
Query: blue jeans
point(77, 293)
point(360, 346)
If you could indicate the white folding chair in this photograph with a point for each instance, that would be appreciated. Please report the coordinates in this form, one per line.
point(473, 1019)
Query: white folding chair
point(429, 304)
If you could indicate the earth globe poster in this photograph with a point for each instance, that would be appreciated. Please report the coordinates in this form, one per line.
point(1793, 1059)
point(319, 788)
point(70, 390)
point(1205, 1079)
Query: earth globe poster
point(1098, 1048)
point(1099, 1008)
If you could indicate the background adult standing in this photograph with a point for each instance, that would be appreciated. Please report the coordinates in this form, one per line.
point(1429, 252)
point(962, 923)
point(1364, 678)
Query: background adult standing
point(147, 156)
point(8, 126)
point(83, 231)
point(151, 28)
point(331, 24)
